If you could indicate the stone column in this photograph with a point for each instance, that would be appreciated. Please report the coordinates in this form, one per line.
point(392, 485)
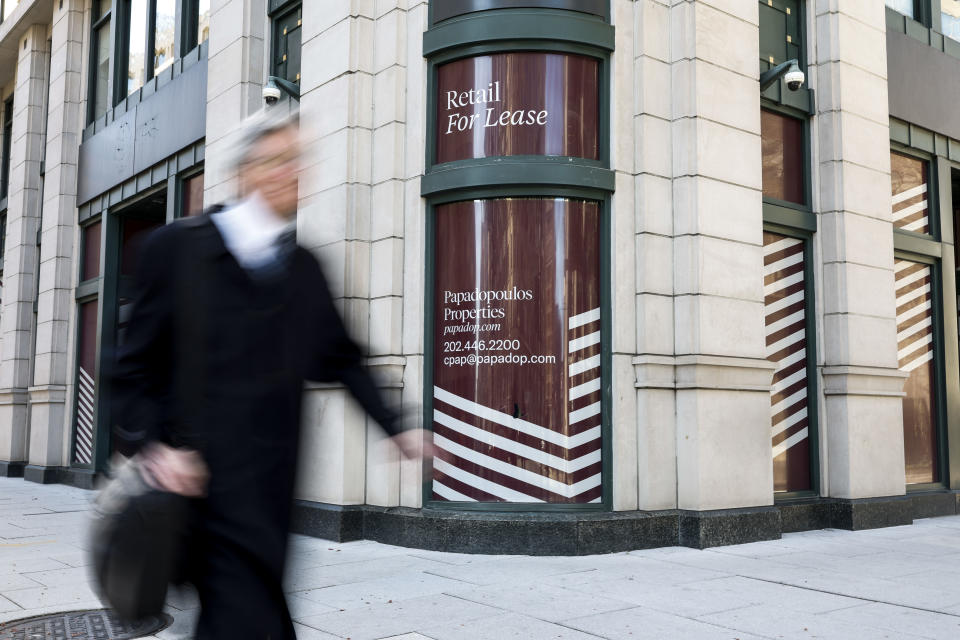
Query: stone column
point(20, 259)
point(863, 424)
point(724, 457)
point(49, 409)
point(235, 76)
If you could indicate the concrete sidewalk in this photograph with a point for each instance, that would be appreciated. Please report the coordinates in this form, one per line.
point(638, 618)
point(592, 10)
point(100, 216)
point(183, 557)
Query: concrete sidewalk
point(897, 583)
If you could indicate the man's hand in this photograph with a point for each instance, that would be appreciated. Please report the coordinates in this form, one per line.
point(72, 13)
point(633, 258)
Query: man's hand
point(414, 444)
point(180, 471)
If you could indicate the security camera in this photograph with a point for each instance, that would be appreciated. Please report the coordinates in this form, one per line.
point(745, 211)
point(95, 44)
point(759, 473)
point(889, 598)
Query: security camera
point(789, 71)
point(276, 87)
point(271, 94)
point(794, 78)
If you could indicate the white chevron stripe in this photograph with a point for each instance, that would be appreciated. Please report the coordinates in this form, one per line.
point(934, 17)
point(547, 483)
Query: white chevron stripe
point(799, 436)
point(585, 389)
point(775, 306)
point(788, 422)
point(788, 402)
point(584, 318)
point(782, 323)
point(783, 283)
point(492, 439)
point(523, 475)
point(86, 376)
point(789, 359)
point(481, 483)
point(586, 341)
point(583, 413)
point(911, 295)
point(450, 494)
point(916, 225)
point(909, 211)
point(912, 329)
point(909, 193)
point(925, 358)
point(788, 381)
point(779, 245)
point(783, 263)
point(903, 281)
point(580, 366)
point(780, 345)
point(516, 424)
point(914, 346)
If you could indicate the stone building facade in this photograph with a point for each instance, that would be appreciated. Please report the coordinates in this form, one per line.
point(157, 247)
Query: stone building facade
point(773, 318)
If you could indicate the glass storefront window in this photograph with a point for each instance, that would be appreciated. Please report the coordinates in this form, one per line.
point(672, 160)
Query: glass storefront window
point(203, 21)
point(908, 181)
point(136, 64)
point(906, 7)
point(782, 143)
point(950, 18)
point(164, 25)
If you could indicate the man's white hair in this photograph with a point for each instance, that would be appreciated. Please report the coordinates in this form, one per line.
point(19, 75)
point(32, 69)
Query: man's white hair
point(265, 122)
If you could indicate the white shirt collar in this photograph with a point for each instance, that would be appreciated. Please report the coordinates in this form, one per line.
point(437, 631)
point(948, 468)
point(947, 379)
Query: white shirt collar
point(250, 231)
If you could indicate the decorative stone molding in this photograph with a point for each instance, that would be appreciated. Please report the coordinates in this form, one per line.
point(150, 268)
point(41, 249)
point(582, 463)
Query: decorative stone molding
point(654, 372)
point(724, 373)
point(863, 381)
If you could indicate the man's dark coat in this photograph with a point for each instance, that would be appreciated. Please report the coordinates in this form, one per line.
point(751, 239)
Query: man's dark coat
point(215, 357)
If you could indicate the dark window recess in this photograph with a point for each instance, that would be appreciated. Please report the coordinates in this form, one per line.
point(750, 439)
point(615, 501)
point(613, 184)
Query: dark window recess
point(99, 99)
point(7, 135)
point(444, 9)
point(782, 143)
point(192, 203)
point(3, 242)
point(287, 36)
point(90, 268)
point(780, 32)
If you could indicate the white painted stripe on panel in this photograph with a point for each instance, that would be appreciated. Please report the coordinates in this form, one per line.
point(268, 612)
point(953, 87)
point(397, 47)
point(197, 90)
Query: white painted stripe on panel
point(585, 389)
point(788, 381)
point(912, 295)
point(775, 306)
point(585, 412)
point(917, 226)
point(788, 402)
point(909, 211)
point(788, 261)
point(788, 360)
point(481, 483)
point(580, 366)
point(924, 359)
point(914, 346)
point(783, 323)
point(788, 422)
point(506, 444)
point(783, 283)
point(586, 341)
point(595, 500)
point(779, 245)
point(584, 318)
point(450, 494)
point(799, 436)
point(909, 193)
point(516, 424)
point(86, 376)
point(912, 329)
point(903, 281)
point(780, 345)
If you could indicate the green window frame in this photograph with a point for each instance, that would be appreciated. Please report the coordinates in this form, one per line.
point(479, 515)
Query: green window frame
point(286, 19)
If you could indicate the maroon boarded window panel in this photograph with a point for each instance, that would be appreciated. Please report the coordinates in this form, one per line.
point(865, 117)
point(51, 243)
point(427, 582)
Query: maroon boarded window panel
point(512, 104)
point(908, 184)
point(83, 431)
point(91, 251)
point(785, 317)
point(517, 364)
point(782, 144)
point(193, 196)
point(915, 351)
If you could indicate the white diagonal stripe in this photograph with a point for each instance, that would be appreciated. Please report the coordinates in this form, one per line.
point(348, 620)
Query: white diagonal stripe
point(779, 245)
point(584, 318)
point(585, 389)
point(910, 193)
point(925, 358)
point(914, 293)
point(788, 422)
point(580, 366)
point(799, 436)
point(481, 483)
point(780, 345)
point(788, 402)
point(782, 283)
point(85, 375)
point(906, 212)
point(783, 263)
point(914, 328)
point(788, 381)
point(492, 439)
point(903, 281)
point(586, 341)
point(449, 494)
point(916, 225)
point(518, 473)
point(790, 359)
point(776, 305)
point(585, 412)
point(514, 423)
point(914, 346)
point(782, 323)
